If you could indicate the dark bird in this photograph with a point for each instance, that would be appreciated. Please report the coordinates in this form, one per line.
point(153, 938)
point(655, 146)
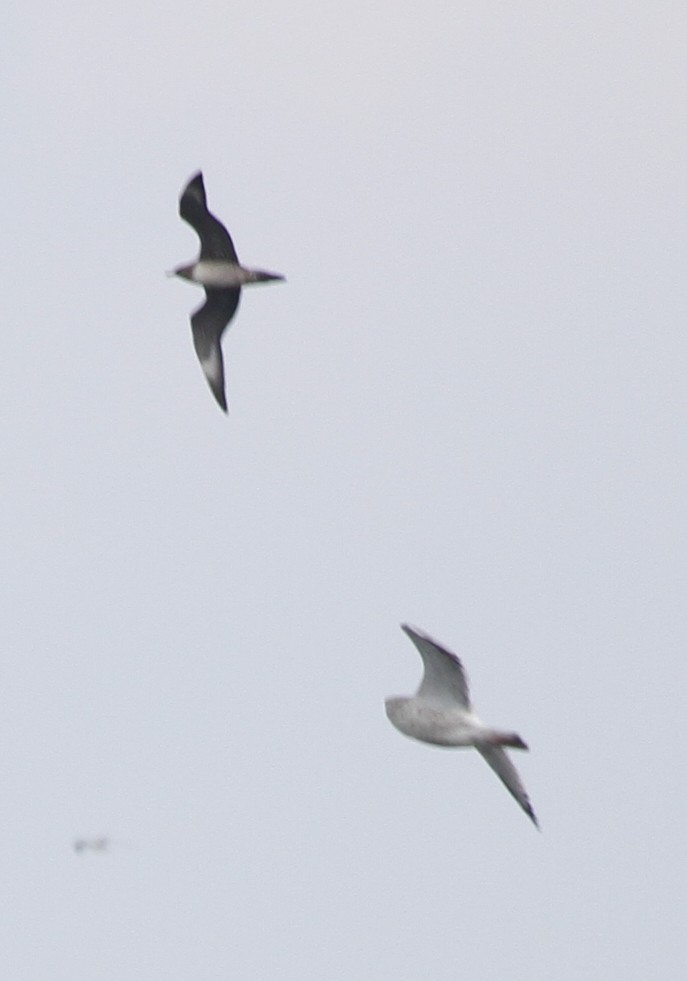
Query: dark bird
point(220, 273)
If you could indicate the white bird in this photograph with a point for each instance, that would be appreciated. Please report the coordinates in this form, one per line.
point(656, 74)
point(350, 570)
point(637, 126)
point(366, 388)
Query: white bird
point(441, 713)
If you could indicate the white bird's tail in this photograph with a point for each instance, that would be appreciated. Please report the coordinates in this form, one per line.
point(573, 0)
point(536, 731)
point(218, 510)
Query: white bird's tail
point(510, 739)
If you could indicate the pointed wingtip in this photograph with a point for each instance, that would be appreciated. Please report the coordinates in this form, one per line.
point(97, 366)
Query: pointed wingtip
point(416, 634)
point(192, 194)
point(529, 811)
point(216, 386)
point(221, 400)
point(409, 631)
point(195, 178)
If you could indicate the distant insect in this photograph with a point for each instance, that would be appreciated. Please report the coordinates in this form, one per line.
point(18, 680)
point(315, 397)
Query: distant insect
point(218, 270)
point(91, 845)
point(441, 713)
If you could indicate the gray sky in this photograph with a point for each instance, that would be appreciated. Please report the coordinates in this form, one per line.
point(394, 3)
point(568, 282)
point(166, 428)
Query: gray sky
point(465, 409)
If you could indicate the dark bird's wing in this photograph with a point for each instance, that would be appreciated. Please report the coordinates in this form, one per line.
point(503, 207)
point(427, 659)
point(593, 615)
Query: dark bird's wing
point(500, 762)
point(215, 240)
point(208, 323)
point(445, 681)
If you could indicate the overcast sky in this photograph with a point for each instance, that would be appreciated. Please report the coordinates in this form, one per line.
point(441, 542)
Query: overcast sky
point(465, 409)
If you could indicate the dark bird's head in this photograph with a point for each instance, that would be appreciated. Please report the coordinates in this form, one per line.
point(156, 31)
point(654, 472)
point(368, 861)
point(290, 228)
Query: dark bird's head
point(185, 271)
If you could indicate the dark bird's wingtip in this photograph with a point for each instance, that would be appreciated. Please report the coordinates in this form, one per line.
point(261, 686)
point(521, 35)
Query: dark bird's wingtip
point(195, 178)
point(220, 399)
point(193, 193)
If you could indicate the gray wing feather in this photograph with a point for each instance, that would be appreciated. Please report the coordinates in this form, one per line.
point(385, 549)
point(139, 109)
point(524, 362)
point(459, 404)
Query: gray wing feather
point(501, 764)
point(445, 681)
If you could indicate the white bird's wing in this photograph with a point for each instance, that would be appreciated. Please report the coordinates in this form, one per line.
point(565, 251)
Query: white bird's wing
point(445, 681)
point(501, 764)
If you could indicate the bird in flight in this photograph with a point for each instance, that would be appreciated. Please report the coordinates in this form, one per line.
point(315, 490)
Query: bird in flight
point(441, 713)
point(91, 845)
point(219, 272)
